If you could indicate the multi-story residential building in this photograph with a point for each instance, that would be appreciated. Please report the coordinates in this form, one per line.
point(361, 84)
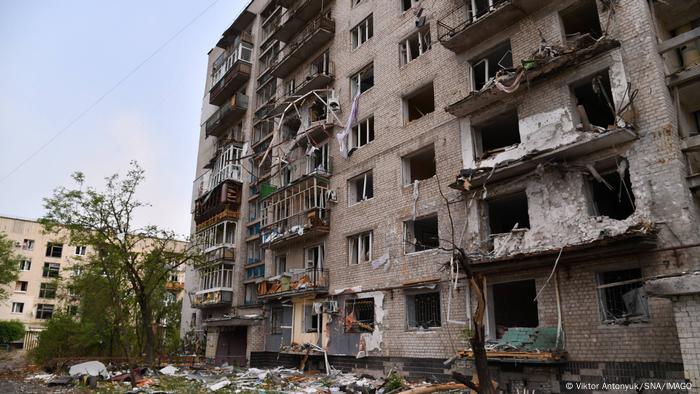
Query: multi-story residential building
point(347, 146)
point(45, 261)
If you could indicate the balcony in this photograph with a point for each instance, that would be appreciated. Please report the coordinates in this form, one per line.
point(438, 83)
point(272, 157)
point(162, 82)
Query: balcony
point(691, 148)
point(298, 14)
point(681, 51)
point(295, 282)
point(230, 112)
point(319, 76)
point(221, 203)
point(465, 26)
point(223, 253)
point(537, 71)
point(217, 282)
point(296, 212)
point(234, 71)
point(317, 33)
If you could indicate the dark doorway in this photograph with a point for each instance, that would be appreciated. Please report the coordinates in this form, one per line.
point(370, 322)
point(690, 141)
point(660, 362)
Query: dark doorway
point(231, 348)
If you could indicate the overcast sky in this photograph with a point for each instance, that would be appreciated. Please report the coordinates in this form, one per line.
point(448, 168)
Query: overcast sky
point(59, 56)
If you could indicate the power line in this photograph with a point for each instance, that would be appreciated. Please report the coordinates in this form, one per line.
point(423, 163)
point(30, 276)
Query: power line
point(107, 93)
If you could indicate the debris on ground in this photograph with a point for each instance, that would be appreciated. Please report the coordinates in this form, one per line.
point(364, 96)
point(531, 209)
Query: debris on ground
point(90, 368)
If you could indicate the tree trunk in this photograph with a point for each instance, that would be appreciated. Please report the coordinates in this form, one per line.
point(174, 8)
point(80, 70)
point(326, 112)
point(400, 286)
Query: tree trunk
point(150, 339)
point(478, 340)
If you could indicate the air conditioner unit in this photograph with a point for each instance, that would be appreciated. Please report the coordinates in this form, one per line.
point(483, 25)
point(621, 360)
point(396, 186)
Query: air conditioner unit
point(330, 306)
point(18, 244)
point(334, 104)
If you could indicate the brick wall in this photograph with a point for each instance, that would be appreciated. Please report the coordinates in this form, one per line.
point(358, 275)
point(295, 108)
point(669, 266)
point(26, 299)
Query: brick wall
point(687, 312)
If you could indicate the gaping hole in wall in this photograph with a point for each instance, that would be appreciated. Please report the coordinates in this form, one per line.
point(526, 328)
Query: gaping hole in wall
point(361, 188)
point(514, 305)
point(317, 110)
point(595, 96)
point(508, 212)
point(622, 295)
point(611, 192)
point(499, 132)
point(423, 310)
point(581, 18)
point(421, 234)
point(486, 67)
point(359, 315)
point(419, 165)
point(420, 103)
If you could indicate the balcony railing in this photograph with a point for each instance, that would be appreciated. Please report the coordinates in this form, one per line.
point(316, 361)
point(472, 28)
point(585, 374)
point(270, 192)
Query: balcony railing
point(230, 112)
point(222, 202)
point(300, 281)
point(232, 74)
point(296, 212)
point(466, 25)
point(317, 33)
point(297, 16)
point(212, 298)
point(224, 253)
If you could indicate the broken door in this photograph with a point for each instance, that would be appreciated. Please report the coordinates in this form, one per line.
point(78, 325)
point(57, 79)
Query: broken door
point(231, 348)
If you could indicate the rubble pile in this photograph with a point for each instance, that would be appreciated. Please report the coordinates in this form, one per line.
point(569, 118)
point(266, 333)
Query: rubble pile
point(227, 379)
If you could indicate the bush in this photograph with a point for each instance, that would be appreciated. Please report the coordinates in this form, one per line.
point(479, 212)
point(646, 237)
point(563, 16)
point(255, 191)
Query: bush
point(11, 331)
point(64, 337)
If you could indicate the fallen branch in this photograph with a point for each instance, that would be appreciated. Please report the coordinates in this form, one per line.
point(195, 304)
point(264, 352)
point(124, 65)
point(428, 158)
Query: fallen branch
point(434, 388)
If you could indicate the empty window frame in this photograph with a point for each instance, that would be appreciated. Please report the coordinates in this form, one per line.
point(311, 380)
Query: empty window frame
point(362, 32)
point(407, 4)
point(280, 264)
point(17, 307)
point(418, 165)
point(54, 249)
point(251, 294)
point(421, 234)
point(419, 103)
point(80, 250)
point(611, 193)
point(514, 305)
point(47, 290)
point(311, 319)
point(319, 160)
point(493, 135)
point(25, 265)
point(508, 212)
point(276, 317)
point(44, 311)
point(362, 80)
point(486, 67)
point(360, 188)
point(360, 248)
point(423, 310)
point(313, 257)
point(28, 244)
point(21, 286)
point(267, 92)
point(359, 315)
point(362, 134)
point(478, 8)
point(414, 46)
point(621, 295)
point(580, 18)
point(51, 270)
point(594, 101)
point(290, 87)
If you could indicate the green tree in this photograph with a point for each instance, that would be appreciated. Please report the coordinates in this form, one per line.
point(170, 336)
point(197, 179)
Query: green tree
point(9, 264)
point(135, 262)
point(11, 331)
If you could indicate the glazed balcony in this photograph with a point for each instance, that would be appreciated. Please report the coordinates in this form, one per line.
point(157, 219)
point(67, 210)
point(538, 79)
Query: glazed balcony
point(234, 71)
point(222, 203)
point(474, 21)
point(216, 282)
point(227, 115)
point(296, 213)
point(297, 15)
point(316, 34)
point(295, 282)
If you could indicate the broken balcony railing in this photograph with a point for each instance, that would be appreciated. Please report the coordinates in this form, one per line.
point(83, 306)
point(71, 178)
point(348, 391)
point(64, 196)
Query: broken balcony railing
point(296, 211)
point(224, 117)
point(294, 281)
point(298, 14)
point(222, 202)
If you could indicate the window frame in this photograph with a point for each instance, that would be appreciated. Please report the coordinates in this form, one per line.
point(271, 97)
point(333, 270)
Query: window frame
point(51, 270)
point(80, 250)
point(23, 286)
point(355, 136)
point(353, 302)
point(309, 263)
point(14, 309)
point(423, 47)
point(25, 265)
point(356, 80)
point(53, 248)
point(43, 309)
point(47, 290)
point(602, 295)
point(411, 244)
point(353, 184)
point(276, 320)
point(411, 313)
point(356, 243)
point(364, 29)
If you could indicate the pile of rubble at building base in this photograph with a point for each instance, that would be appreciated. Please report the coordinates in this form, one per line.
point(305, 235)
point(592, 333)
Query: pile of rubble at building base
point(228, 379)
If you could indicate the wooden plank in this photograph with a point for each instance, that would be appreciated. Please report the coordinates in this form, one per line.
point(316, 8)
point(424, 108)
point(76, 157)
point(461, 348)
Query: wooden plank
point(679, 40)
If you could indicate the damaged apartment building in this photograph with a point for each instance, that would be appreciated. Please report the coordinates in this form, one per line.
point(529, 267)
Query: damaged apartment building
point(348, 147)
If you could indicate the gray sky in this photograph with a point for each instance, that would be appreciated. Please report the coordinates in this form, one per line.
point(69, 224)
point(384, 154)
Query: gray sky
point(60, 56)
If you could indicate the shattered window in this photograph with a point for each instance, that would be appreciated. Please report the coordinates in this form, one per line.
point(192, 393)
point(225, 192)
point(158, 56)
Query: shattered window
point(419, 165)
point(360, 188)
point(423, 310)
point(622, 295)
point(276, 320)
point(362, 134)
point(44, 311)
point(421, 234)
point(359, 315)
point(508, 213)
point(311, 319)
point(362, 32)
point(362, 80)
point(54, 250)
point(47, 290)
point(579, 19)
point(494, 135)
point(612, 193)
point(28, 244)
point(360, 248)
point(514, 306)
point(419, 103)
point(486, 67)
point(594, 102)
point(414, 46)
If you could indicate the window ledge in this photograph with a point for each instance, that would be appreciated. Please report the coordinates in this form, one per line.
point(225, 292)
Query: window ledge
point(422, 118)
point(360, 202)
point(433, 250)
point(423, 330)
point(420, 182)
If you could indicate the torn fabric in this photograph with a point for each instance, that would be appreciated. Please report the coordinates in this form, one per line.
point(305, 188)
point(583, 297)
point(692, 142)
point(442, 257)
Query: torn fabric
point(352, 119)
